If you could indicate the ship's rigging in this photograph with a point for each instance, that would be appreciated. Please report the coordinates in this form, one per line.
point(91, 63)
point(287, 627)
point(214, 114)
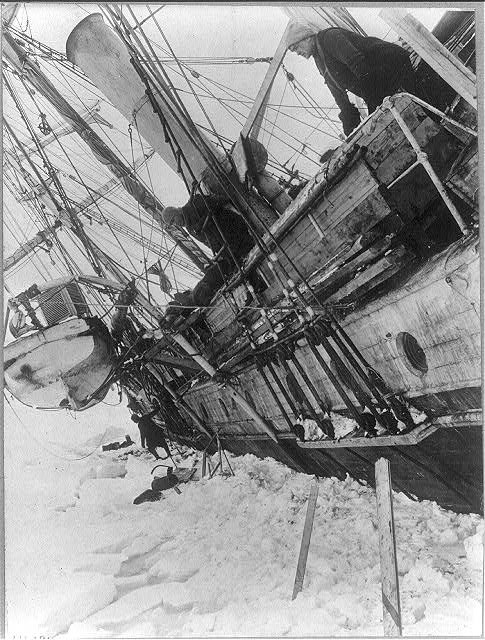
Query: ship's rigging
point(118, 227)
point(278, 314)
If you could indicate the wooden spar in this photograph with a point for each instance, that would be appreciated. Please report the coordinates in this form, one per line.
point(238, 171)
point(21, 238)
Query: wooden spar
point(87, 115)
point(447, 65)
point(9, 12)
point(185, 344)
point(177, 363)
point(20, 61)
point(387, 550)
point(40, 238)
point(5, 322)
point(306, 537)
point(267, 84)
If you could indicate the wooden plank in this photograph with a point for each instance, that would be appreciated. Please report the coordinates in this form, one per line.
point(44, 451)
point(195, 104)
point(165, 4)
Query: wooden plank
point(374, 275)
point(414, 437)
point(439, 58)
point(387, 550)
point(306, 537)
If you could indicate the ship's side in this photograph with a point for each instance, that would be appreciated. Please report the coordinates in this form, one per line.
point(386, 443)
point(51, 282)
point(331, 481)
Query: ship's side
point(352, 328)
point(370, 305)
point(408, 302)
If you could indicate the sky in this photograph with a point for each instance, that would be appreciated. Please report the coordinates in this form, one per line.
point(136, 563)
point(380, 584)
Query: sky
point(193, 31)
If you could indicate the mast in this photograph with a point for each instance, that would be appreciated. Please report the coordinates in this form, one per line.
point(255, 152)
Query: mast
point(317, 17)
point(41, 240)
point(21, 62)
point(88, 115)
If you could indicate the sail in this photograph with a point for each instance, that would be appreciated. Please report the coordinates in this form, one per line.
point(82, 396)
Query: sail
point(103, 57)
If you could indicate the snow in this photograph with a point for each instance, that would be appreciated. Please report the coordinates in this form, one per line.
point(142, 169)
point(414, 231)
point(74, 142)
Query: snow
point(220, 558)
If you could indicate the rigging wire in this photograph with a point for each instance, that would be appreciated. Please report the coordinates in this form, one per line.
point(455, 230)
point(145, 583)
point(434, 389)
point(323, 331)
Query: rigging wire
point(90, 194)
point(75, 222)
point(209, 120)
point(42, 445)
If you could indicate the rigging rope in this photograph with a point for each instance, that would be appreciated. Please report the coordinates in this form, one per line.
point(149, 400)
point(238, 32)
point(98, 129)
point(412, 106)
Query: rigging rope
point(41, 444)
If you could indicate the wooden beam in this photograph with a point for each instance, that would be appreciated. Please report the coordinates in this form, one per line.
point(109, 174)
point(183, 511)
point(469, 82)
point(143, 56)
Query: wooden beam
point(306, 537)
point(387, 550)
point(447, 65)
point(414, 437)
point(177, 363)
point(267, 84)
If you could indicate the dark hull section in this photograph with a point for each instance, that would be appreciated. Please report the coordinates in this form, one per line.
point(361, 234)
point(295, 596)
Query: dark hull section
point(446, 467)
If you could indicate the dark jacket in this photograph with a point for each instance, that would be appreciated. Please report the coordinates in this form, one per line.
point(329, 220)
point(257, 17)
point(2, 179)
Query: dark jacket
point(150, 434)
point(204, 214)
point(368, 67)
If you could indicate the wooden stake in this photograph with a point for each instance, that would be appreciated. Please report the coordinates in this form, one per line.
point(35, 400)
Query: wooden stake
point(204, 462)
point(305, 539)
point(387, 550)
point(220, 452)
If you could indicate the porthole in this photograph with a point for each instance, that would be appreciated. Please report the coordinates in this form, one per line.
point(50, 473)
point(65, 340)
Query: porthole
point(413, 355)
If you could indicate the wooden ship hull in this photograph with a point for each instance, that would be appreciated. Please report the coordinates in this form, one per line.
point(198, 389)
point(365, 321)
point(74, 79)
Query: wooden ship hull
point(413, 318)
point(358, 309)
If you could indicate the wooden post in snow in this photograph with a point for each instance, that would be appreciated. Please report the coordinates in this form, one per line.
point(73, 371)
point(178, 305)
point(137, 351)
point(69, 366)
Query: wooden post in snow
point(445, 63)
point(387, 550)
point(204, 463)
point(305, 539)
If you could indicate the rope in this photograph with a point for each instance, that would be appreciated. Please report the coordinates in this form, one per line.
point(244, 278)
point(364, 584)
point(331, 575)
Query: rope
point(41, 444)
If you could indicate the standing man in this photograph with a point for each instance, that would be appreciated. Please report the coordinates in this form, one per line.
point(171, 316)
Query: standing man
point(367, 67)
point(151, 435)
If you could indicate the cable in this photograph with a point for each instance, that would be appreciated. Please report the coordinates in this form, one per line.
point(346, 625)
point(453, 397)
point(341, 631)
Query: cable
point(41, 444)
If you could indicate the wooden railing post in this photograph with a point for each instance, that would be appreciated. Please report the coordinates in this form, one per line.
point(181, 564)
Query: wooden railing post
point(387, 550)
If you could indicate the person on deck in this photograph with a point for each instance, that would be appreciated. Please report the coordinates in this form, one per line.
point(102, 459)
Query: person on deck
point(366, 66)
point(151, 435)
point(215, 223)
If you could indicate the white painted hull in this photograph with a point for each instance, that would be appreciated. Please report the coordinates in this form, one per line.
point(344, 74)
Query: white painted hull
point(60, 366)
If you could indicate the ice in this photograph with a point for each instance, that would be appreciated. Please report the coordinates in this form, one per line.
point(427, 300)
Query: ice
point(474, 549)
point(140, 600)
point(111, 470)
point(76, 596)
point(108, 563)
point(220, 558)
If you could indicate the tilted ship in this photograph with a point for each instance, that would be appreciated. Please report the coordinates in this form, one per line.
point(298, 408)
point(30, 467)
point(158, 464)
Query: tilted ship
point(362, 335)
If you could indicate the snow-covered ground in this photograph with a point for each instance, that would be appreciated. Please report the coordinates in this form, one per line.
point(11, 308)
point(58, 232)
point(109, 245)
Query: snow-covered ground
point(83, 561)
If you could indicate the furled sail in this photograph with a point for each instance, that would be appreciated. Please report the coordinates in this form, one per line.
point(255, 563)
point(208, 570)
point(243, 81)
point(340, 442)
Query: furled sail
point(98, 51)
